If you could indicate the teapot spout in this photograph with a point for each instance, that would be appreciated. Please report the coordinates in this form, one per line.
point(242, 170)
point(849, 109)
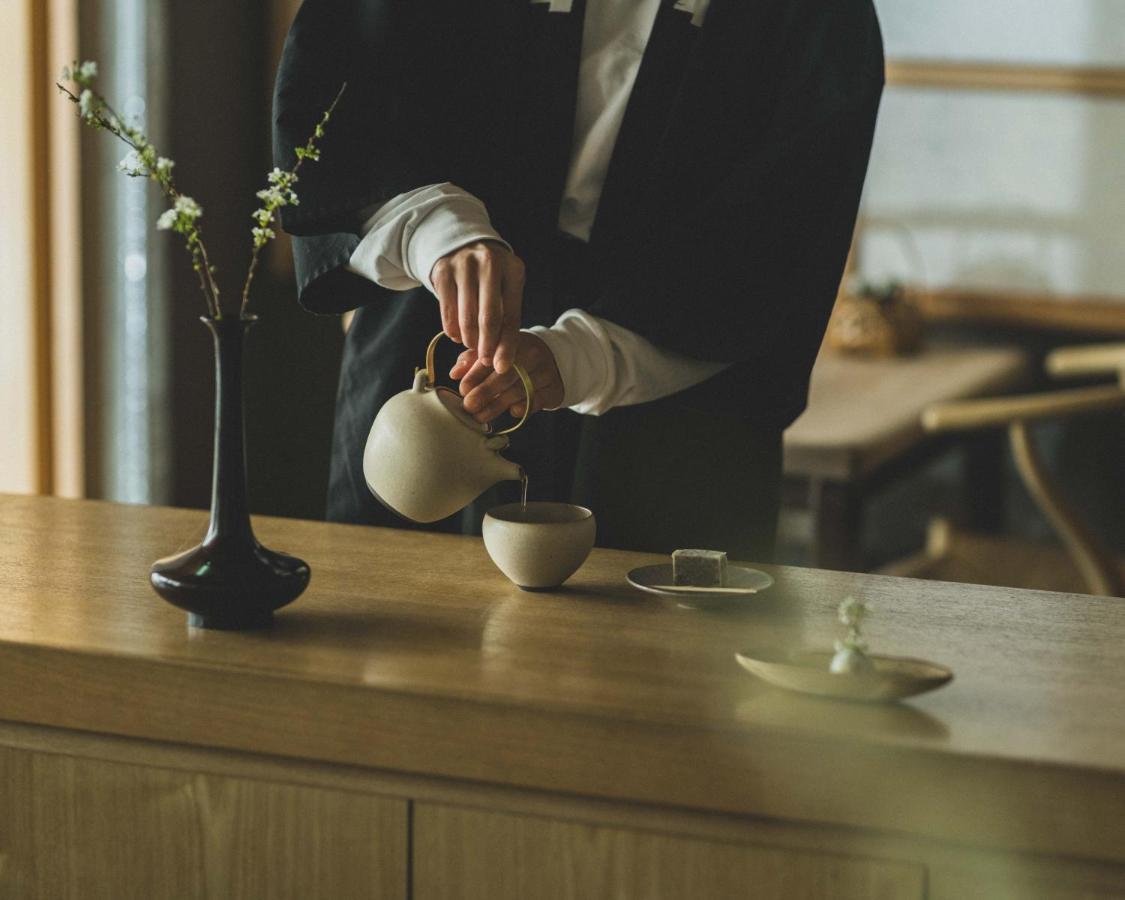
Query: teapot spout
point(501, 469)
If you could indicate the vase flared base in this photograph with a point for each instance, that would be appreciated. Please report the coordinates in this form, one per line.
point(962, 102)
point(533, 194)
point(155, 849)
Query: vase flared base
point(231, 621)
point(230, 585)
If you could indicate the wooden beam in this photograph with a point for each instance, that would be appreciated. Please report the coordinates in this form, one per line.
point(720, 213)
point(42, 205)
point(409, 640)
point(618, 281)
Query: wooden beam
point(40, 134)
point(62, 251)
point(1041, 312)
point(1099, 81)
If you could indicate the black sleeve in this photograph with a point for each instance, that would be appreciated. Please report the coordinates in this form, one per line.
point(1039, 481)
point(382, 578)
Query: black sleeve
point(376, 144)
point(379, 141)
point(752, 270)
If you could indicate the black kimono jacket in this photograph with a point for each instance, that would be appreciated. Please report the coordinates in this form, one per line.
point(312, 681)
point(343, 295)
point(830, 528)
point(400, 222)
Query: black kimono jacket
point(728, 207)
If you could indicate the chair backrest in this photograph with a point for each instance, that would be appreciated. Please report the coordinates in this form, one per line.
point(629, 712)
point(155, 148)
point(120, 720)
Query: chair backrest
point(1100, 569)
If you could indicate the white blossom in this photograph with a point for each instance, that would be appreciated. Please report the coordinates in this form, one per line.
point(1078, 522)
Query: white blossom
point(88, 70)
point(181, 216)
point(187, 208)
point(271, 196)
point(278, 195)
point(86, 102)
point(132, 164)
point(164, 165)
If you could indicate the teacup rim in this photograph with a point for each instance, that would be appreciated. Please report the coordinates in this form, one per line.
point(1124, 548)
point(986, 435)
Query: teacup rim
point(502, 512)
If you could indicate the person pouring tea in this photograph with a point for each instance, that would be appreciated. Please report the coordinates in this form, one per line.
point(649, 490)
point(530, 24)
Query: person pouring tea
point(646, 204)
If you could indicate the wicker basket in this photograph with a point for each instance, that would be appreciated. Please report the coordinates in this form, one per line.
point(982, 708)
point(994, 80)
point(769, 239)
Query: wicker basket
point(875, 323)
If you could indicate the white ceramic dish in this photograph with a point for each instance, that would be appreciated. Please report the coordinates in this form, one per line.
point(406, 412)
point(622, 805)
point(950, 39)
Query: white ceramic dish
point(742, 585)
point(806, 671)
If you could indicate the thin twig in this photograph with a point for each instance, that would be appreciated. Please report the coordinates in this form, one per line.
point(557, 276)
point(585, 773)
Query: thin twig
point(310, 144)
point(115, 125)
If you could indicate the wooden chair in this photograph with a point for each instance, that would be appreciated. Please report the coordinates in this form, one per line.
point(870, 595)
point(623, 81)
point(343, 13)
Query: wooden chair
point(1085, 565)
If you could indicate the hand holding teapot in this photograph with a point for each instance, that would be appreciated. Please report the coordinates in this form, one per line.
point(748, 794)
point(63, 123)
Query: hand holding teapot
point(426, 457)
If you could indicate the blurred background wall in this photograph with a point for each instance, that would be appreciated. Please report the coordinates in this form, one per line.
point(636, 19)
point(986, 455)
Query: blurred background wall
point(219, 118)
point(199, 76)
point(997, 190)
point(996, 187)
point(998, 160)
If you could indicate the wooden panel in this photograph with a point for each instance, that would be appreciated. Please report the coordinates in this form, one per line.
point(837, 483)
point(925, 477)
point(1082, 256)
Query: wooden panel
point(461, 854)
point(40, 342)
point(80, 828)
point(951, 883)
point(42, 265)
point(62, 250)
point(953, 872)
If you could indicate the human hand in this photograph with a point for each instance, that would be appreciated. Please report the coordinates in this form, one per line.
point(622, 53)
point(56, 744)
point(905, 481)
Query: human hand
point(488, 392)
point(480, 292)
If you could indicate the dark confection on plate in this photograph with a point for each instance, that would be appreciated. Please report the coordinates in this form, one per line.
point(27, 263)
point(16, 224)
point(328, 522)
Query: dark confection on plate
point(699, 568)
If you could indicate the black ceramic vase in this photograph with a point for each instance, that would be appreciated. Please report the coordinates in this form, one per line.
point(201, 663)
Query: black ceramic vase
point(229, 581)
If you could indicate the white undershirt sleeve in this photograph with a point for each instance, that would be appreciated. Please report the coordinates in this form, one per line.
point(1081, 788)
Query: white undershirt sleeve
point(405, 236)
point(604, 365)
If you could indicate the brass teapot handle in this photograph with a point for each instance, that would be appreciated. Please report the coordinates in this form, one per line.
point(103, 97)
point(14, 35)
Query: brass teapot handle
point(525, 380)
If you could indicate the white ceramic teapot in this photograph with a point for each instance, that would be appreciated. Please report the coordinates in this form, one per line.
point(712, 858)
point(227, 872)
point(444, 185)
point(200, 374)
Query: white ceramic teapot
point(426, 458)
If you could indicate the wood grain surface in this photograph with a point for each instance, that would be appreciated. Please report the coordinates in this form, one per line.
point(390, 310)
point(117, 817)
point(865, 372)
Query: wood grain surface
point(471, 854)
point(73, 829)
point(412, 654)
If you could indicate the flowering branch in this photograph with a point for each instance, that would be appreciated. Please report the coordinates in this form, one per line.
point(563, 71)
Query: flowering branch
point(142, 162)
point(280, 193)
point(183, 217)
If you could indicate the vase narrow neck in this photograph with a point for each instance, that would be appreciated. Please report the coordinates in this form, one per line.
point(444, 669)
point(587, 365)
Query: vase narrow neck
point(230, 511)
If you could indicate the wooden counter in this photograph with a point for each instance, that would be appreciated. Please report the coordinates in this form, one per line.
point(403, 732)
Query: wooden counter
point(417, 726)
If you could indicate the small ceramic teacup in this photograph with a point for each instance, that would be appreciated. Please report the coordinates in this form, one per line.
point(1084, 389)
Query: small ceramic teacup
point(541, 545)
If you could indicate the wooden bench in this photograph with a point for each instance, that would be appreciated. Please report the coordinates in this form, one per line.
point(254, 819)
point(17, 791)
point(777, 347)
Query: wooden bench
point(863, 428)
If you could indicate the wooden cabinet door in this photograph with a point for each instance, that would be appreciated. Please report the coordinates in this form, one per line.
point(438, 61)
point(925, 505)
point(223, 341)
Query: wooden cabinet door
point(464, 854)
point(87, 828)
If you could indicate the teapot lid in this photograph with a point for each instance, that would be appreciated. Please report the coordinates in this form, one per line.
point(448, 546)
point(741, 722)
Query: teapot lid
point(451, 400)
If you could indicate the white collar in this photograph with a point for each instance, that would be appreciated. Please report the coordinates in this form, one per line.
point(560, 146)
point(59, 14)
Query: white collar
point(697, 8)
point(563, 6)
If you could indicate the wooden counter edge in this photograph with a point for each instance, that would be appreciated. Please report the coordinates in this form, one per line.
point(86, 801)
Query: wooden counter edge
point(1013, 806)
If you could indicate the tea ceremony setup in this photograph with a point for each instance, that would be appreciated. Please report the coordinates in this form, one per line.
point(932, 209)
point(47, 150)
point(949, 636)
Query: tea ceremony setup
point(417, 719)
point(562, 450)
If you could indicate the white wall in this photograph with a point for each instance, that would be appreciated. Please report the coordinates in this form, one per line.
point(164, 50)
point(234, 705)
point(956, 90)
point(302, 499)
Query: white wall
point(1073, 32)
point(17, 373)
point(1012, 190)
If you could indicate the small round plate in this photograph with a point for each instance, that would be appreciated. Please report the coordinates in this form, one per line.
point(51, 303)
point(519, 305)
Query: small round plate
point(894, 678)
point(741, 585)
